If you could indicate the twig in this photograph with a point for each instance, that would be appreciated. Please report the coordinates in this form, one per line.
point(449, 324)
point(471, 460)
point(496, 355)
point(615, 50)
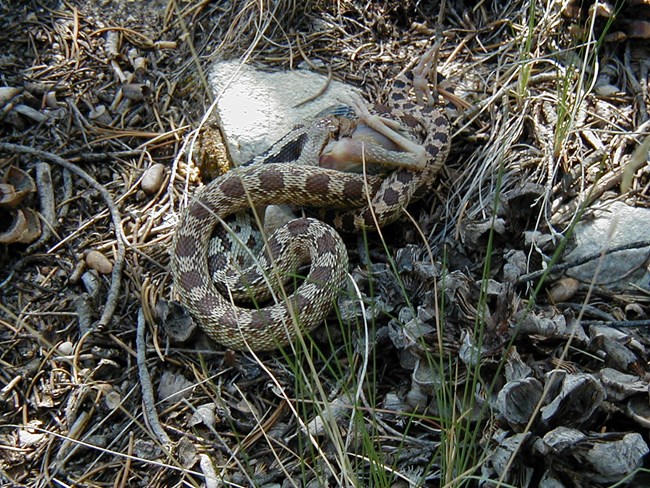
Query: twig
point(47, 203)
point(84, 313)
point(75, 156)
point(114, 290)
point(322, 90)
point(619, 323)
point(67, 194)
point(210, 475)
point(145, 384)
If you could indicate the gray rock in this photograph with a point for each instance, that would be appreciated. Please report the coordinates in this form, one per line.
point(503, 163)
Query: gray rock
point(613, 225)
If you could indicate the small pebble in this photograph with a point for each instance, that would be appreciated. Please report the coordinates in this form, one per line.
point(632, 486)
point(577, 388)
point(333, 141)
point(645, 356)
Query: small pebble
point(563, 290)
point(607, 90)
point(112, 399)
point(7, 93)
point(153, 178)
point(100, 263)
point(66, 348)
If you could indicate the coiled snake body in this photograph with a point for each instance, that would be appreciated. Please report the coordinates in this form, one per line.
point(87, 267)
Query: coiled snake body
point(415, 136)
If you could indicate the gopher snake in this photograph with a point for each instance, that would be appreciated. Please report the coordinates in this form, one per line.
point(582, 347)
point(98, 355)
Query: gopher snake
point(408, 134)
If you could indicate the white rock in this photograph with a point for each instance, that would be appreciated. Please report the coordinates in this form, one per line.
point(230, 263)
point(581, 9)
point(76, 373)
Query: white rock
point(256, 108)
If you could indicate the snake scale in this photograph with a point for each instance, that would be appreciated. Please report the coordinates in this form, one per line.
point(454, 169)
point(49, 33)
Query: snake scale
point(407, 134)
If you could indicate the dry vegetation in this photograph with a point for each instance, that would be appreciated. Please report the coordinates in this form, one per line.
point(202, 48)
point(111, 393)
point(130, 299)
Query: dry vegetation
point(557, 98)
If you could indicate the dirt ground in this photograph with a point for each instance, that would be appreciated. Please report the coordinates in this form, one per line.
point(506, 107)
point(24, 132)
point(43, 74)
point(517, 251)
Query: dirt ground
point(482, 362)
